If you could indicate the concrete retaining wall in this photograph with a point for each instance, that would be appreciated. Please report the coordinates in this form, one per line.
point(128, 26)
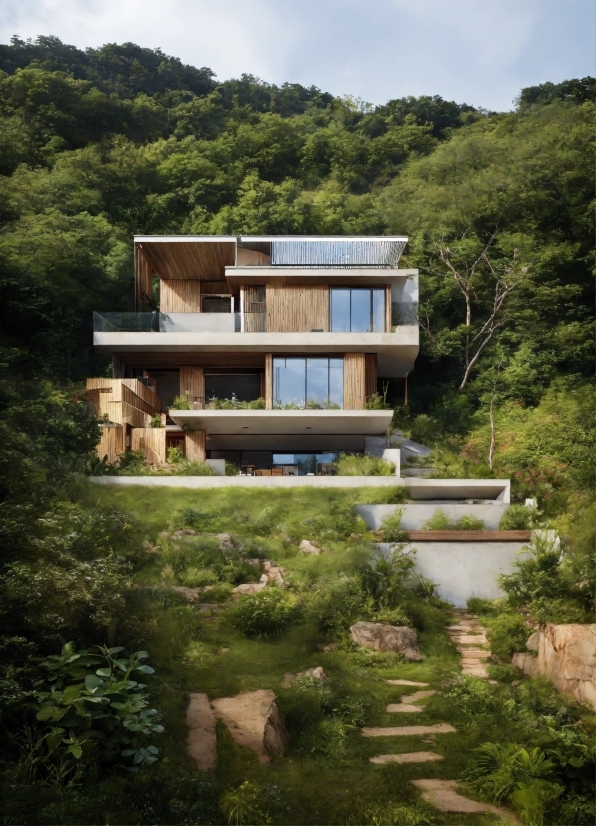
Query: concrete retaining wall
point(464, 569)
point(250, 481)
point(414, 516)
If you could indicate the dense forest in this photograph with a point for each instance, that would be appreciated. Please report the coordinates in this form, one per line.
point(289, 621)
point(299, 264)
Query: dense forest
point(98, 145)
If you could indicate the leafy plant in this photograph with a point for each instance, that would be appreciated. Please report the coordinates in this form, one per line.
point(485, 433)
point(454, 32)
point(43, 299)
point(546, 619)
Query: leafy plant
point(506, 634)
point(392, 529)
point(181, 403)
point(377, 402)
point(359, 464)
point(92, 709)
point(469, 523)
point(336, 605)
point(437, 522)
point(174, 455)
point(515, 518)
point(156, 421)
point(252, 803)
point(265, 614)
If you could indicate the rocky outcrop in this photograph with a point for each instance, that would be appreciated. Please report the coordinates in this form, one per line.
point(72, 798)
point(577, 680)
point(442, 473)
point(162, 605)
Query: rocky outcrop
point(566, 654)
point(201, 739)
point(254, 721)
point(249, 588)
point(382, 637)
point(308, 547)
point(314, 673)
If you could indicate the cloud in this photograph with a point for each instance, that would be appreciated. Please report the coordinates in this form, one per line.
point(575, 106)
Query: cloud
point(478, 51)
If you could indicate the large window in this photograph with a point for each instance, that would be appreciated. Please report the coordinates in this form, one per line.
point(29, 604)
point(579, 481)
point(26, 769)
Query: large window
point(315, 383)
point(360, 310)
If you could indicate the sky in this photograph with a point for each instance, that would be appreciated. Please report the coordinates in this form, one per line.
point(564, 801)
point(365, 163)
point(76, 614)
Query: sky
point(480, 52)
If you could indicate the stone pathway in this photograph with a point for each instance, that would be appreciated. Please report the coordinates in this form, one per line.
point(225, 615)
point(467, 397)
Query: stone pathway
point(407, 757)
point(407, 731)
point(442, 795)
point(201, 739)
point(470, 640)
point(406, 702)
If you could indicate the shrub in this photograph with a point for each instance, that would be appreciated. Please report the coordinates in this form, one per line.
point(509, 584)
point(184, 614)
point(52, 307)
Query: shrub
point(93, 711)
point(132, 463)
point(181, 403)
point(384, 579)
point(391, 527)
point(437, 522)
point(336, 606)
point(469, 523)
point(198, 577)
point(175, 455)
point(231, 469)
point(377, 402)
point(156, 420)
point(359, 464)
point(184, 468)
point(515, 518)
point(507, 634)
point(265, 614)
point(251, 803)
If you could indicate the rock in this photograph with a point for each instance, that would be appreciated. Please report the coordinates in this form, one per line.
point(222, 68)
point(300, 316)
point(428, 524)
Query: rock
point(407, 731)
point(249, 588)
point(307, 547)
point(332, 646)
point(382, 637)
point(566, 655)
point(201, 740)
point(406, 682)
point(316, 674)
point(222, 651)
point(272, 573)
point(254, 721)
point(189, 594)
point(185, 532)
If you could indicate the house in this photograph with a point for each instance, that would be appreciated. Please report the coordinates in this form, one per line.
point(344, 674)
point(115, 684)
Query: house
point(270, 352)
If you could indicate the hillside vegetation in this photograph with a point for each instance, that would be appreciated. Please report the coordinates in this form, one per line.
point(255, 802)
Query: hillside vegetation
point(100, 144)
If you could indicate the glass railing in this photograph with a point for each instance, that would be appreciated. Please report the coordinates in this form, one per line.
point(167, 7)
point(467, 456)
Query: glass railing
point(126, 322)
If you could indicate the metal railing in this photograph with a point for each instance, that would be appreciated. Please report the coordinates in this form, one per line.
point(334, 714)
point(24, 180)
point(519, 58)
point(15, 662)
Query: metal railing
point(337, 253)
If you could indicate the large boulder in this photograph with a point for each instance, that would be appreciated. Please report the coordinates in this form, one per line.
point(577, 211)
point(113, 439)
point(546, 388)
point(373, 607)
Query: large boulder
point(254, 721)
point(566, 654)
point(312, 673)
point(382, 637)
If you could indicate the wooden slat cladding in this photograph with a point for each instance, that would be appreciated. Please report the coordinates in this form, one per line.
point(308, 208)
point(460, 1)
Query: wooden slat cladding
point(354, 381)
point(370, 374)
point(269, 381)
point(190, 259)
point(152, 441)
point(255, 319)
point(215, 288)
point(192, 383)
point(297, 309)
point(132, 391)
point(143, 277)
point(181, 296)
point(194, 445)
point(111, 443)
point(251, 258)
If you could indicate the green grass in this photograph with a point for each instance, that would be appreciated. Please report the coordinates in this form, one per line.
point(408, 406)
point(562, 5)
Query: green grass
point(325, 776)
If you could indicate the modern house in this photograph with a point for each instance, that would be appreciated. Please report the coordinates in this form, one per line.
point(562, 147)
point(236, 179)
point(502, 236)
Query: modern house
point(270, 352)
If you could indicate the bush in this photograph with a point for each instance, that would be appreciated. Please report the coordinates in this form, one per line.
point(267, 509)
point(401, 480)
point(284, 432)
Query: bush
point(391, 527)
point(265, 614)
point(184, 468)
point(181, 403)
point(336, 606)
point(377, 402)
point(360, 464)
point(251, 803)
point(174, 455)
point(469, 523)
point(198, 577)
point(92, 711)
point(515, 518)
point(437, 522)
point(156, 420)
point(508, 633)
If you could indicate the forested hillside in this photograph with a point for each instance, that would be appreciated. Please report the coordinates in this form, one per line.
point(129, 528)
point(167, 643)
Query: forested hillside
point(101, 144)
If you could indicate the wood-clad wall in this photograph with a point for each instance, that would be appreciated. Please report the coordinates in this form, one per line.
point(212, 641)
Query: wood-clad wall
point(143, 277)
point(182, 296)
point(370, 374)
point(354, 381)
point(152, 441)
point(111, 443)
point(255, 319)
point(194, 445)
point(132, 391)
point(192, 383)
point(269, 381)
point(297, 309)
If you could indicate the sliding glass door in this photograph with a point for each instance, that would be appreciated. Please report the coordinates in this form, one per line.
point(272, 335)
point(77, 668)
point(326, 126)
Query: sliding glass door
point(359, 310)
point(315, 383)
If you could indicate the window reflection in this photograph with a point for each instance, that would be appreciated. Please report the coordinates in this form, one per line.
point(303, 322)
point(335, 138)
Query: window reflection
point(358, 310)
point(316, 383)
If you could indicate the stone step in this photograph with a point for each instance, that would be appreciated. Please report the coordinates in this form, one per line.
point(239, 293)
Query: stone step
point(416, 696)
point(408, 757)
point(442, 795)
point(405, 708)
point(407, 731)
point(479, 670)
point(201, 739)
point(405, 682)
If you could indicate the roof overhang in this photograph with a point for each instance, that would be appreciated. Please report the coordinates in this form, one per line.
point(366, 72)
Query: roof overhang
point(188, 257)
point(236, 276)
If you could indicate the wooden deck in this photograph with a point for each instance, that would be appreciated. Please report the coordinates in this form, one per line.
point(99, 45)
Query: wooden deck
point(469, 536)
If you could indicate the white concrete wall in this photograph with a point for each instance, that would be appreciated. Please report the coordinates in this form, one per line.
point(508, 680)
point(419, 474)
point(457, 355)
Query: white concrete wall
point(250, 481)
point(414, 515)
point(464, 569)
point(391, 455)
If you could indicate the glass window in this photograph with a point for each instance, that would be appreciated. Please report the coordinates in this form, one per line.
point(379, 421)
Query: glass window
point(359, 310)
point(308, 382)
